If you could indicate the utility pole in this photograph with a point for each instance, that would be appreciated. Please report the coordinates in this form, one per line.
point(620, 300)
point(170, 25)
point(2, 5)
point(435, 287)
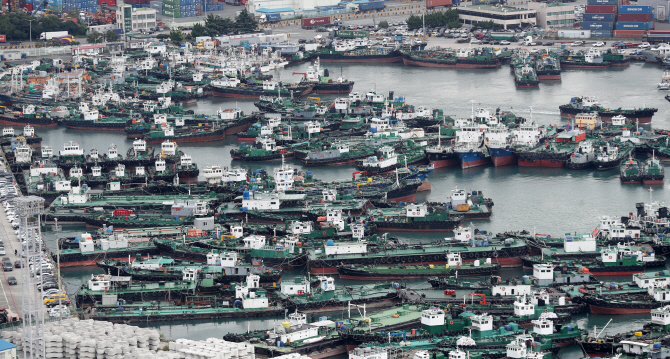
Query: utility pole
point(30, 34)
point(56, 228)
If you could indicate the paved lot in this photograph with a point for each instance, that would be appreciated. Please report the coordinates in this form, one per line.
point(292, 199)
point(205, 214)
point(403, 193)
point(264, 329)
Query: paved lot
point(10, 296)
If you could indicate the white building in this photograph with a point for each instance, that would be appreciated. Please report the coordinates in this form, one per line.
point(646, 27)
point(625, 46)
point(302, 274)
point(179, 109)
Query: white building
point(506, 16)
point(134, 19)
point(553, 15)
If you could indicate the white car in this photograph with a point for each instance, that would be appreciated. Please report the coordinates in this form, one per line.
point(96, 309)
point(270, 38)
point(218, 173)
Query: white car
point(317, 37)
point(644, 45)
point(599, 44)
point(505, 42)
point(577, 43)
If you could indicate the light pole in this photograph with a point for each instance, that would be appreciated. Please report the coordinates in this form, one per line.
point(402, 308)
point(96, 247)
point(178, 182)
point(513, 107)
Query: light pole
point(31, 30)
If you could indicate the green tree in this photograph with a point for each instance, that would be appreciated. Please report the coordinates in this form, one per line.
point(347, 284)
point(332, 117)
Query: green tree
point(414, 22)
point(176, 36)
point(383, 24)
point(162, 36)
point(198, 30)
point(73, 14)
point(245, 22)
point(95, 38)
point(111, 36)
point(454, 24)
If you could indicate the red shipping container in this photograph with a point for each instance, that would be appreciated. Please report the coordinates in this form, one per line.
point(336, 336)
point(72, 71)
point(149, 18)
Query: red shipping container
point(28, 6)
point(658, 32)
point(629, 34)
point(316, 21)
point(3, 38)
point(434, 3)
point(122, 212)
point(601, 9)
point(634, 17)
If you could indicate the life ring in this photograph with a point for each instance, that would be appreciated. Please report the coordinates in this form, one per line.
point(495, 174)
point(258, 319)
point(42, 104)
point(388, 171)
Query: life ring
point(467, 236)
point(502, 288)
point(558, 275)
point(451, 322)
point(610, 257)
point(546, 310)
point(324, 233)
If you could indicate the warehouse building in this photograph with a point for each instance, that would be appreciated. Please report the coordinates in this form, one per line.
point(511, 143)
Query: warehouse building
point(506, 16)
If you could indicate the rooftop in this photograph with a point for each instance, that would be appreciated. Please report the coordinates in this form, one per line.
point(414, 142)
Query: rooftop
point(493, 8)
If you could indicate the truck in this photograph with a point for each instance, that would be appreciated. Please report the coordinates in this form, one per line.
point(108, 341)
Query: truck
point(3, 38)
point(371, 5)
point(313, 22)
point(529, 41)
point(233, 2)
point(435, 3)
point(269, 18)
point(353, 34)
point(51, 34)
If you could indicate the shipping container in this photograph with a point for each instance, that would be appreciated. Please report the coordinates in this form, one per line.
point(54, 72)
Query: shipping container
point(635, 9)
point(599, 17)
point(371, 5)
point(597, 25)
point(629, 34)
point(634, 17)
point(602, 2)
point(272, 17)
point(601, 33)
point(29, 6)
point(601, 9)
point(434, 3)
point(353, 34)
point(630, 25)
point(315, 21)
point(574, 34)
point(3, 38)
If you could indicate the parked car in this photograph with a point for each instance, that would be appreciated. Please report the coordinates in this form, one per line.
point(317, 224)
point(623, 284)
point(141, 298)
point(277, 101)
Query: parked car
point(18, 264)
point(505, 42)
point(599, 44)
point(12, 281)
point(577, 43)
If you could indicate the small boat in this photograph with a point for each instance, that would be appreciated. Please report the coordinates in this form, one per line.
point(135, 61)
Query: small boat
point(630, 171)
point(665, 81)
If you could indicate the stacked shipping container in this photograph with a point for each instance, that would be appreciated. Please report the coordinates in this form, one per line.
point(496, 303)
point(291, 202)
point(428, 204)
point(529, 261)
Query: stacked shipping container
point(189, 8)
point(599, 17)
point(81, 5)
point(633, 21)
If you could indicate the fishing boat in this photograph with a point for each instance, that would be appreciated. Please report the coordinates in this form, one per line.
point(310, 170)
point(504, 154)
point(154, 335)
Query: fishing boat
point(548, 67)
point(653, 171)
point(30, 115)
point(263, 149)
point(552, 153)
point(349, 53)
point(115, 246)
point(232, 87)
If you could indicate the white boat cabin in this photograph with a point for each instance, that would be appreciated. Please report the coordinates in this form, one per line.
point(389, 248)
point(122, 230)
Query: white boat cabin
point(416, 210)
point(579, 243)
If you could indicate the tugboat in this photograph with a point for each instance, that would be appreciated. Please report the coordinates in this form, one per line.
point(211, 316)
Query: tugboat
point(665, 81)
point(525, 77)
point(629, 171)
point(583, 157)
point(653, 171)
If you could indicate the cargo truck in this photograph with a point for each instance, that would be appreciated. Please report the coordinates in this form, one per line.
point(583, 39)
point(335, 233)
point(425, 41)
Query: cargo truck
point(313, 22)
point(434, 3)
point(51, 34)
point(269, 18)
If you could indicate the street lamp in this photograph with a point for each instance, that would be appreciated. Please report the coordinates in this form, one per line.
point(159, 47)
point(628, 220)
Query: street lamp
point(31, 30)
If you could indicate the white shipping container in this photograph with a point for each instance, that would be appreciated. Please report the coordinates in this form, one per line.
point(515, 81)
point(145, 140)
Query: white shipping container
point(574, 34)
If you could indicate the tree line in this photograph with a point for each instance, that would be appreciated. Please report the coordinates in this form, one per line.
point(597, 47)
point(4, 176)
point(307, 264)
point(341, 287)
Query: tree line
point(448, 18)
point(16, 26)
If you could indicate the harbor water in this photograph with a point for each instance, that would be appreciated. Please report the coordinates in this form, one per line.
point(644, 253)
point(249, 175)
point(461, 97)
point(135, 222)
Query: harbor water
point(546, 200)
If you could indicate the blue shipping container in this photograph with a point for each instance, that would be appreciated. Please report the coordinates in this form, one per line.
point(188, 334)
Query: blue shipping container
point(634, 9)
point(602, 2)
point(597, 25)
point(599, 17)
point(630, 25)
